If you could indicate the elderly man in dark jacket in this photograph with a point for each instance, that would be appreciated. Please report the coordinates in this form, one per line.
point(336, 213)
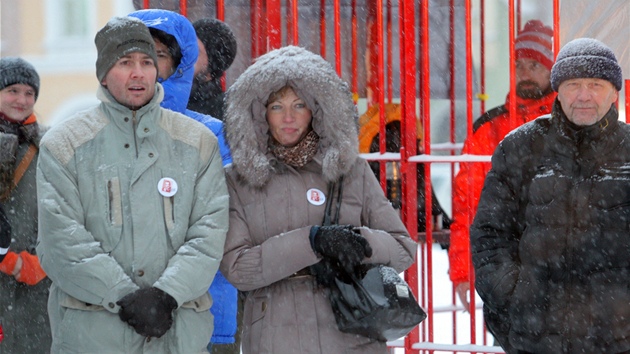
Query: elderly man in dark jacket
point(550, 241)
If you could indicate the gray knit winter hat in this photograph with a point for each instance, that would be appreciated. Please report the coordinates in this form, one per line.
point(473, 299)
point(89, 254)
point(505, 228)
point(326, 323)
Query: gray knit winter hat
point(119, 37)
point(586, 58)
point(15, 70)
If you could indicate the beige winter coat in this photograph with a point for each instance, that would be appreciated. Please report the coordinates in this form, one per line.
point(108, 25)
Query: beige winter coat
point(272, 208)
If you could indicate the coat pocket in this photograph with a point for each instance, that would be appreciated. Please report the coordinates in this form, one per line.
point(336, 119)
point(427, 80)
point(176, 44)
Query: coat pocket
point(254, 323)
point(70, 302)
point(114, 202)
point(108, 203)
point(200, 304)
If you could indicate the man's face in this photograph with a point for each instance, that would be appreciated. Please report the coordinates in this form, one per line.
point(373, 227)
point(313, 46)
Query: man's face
point(532, 79)
point(165, 60)
point(201, 65)
point(586, 101)
point(132, 80)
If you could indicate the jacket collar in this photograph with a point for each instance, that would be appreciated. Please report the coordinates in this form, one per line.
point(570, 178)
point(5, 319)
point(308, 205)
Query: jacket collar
point(579, 134)
point(116, 111)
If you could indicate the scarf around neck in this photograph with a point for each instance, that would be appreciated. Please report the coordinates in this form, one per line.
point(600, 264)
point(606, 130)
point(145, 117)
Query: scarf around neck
point(26, 130)
point(298, 155)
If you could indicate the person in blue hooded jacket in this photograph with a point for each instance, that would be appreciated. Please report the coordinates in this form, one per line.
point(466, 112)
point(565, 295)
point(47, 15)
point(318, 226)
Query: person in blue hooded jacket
point(177, 51)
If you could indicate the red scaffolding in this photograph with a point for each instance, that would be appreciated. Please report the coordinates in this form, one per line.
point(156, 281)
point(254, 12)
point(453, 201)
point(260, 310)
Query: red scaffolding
point(368, 56)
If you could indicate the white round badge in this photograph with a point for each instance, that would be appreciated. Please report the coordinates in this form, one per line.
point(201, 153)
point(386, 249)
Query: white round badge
point(315, 196)
point(167, 187)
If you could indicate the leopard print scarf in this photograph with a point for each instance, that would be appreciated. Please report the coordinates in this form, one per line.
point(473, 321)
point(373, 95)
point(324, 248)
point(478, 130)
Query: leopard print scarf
point(298, 155)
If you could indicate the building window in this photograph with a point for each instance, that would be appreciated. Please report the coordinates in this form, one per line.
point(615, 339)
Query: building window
point(70, 24)
point(76, 11)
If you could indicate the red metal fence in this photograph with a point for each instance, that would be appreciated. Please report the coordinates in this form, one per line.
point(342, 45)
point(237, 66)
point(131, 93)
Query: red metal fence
point(384, 50)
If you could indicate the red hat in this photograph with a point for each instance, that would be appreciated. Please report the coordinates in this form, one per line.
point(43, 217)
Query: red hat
point(535, 42)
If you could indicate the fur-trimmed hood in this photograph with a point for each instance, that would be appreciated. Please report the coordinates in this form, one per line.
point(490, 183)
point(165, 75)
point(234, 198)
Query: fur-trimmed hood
point(316, 82)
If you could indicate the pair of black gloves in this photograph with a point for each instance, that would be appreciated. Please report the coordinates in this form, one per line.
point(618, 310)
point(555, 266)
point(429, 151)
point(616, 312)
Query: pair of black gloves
point(342, 248)
point(149, 311)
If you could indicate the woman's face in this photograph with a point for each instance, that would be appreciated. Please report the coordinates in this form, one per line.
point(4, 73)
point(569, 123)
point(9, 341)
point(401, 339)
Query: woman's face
point(289, 118)
point(17, 101)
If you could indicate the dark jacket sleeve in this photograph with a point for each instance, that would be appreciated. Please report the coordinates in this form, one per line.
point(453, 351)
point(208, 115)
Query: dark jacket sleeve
point(495, 233)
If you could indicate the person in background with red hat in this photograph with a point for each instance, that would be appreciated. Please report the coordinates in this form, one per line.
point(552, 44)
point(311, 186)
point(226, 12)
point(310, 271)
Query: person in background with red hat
point(534, 97)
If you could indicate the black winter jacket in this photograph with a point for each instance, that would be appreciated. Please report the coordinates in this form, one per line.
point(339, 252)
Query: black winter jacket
point(551, 238)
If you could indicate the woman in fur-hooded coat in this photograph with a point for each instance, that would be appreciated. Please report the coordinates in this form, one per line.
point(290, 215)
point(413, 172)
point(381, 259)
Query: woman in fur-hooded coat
point(275, 200)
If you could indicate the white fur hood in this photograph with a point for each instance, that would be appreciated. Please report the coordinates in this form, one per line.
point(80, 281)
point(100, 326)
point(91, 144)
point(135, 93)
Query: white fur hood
point(316, 82)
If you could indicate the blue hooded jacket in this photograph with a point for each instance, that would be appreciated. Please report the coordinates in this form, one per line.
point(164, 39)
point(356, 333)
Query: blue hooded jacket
point(177, 87)
point(176, 93)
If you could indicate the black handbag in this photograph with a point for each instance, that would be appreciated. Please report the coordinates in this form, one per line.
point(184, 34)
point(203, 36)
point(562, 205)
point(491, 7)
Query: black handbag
point(374, 301)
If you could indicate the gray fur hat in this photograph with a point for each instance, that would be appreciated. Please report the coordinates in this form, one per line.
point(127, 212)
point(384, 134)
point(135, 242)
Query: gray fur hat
point(119, 37)
point(15, 70)
point(586, 58)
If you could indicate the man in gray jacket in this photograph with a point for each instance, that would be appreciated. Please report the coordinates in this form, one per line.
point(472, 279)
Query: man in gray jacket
point(133, 212)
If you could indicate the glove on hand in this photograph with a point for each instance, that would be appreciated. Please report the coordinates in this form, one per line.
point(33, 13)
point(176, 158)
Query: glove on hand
point(341, 243)
point(149, 311)
point(31, 272)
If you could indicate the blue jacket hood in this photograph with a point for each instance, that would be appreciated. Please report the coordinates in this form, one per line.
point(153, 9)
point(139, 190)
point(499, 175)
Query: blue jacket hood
point(177, 87)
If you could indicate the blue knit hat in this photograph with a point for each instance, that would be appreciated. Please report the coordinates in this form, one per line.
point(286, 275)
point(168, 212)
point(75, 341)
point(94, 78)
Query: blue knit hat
point(586, 58)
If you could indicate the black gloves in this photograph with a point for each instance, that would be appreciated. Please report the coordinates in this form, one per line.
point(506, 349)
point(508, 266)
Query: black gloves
point(5, 234)
point(149, 311)
point(340, 243)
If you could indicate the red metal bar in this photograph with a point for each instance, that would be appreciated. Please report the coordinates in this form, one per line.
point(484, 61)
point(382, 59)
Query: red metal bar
point(469, 110)
point(390, 49)
point(337, 30)
point(452, 97)
point(274, 23)
point(183, 7)
point(627, 82)
point(451, 59)
point(221, 10)
point(512, 105)
point(375, 14)
point(146, 4)
point(221, 17)
point(408, 114)
point(482, 79)
point(425, 113)
point(322, 28)
point(258, 28)
point(518, 16)
point(408, 130)
point(292, 23)
point(556, 28)
point(355, 58)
